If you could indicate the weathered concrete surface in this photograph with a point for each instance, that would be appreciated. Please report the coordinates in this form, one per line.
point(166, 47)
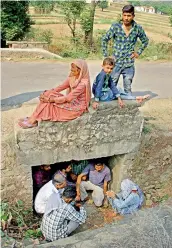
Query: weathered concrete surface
point(120, 166)
point(151, 228)
point(106, 132)
point(16, 178)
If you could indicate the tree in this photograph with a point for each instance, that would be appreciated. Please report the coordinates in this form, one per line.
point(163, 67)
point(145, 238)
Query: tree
point(15, 21)
point(72, 10)
point(103, 4)
point(162, 6)
point(43, 7)
point(87, 22)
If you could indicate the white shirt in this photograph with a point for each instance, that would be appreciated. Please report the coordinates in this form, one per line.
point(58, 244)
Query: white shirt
point(42, 196)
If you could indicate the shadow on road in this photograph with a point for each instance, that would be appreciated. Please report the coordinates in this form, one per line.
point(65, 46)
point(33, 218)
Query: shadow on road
point(16, 101)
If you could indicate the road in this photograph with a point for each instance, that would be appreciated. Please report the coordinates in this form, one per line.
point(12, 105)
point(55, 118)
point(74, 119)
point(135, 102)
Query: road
point(23, 81)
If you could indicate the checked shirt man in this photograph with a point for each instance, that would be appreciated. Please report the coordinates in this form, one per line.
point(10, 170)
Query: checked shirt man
point(125, 36)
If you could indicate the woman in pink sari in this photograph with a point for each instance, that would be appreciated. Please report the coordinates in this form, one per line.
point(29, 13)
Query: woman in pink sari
point(54, 106)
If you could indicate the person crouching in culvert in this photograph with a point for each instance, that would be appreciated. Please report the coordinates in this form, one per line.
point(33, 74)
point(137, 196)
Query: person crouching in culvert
point(61, 218)
point(128, 200)
point(98, 177)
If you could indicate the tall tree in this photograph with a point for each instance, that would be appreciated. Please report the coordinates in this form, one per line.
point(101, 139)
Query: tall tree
point(72, 10)
point(15, 21)
point(87, 22)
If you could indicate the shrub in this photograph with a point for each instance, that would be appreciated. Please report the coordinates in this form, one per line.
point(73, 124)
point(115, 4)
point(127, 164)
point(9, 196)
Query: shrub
point(18, 219)
point(37, 34)
point(156, 51)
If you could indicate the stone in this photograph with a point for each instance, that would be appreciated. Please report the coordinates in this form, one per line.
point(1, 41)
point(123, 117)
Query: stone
point(148, 196)
point(166, 157)
point(149, 202)
point(151, 167)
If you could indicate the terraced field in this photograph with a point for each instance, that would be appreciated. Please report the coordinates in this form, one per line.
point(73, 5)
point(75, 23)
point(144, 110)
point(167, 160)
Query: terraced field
point(156, 26)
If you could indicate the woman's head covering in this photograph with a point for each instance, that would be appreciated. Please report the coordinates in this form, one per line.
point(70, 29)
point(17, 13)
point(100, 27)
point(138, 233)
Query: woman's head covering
point(84, 77)
point(126, 187)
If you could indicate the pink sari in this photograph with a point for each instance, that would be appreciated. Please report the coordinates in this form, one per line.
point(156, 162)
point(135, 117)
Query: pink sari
point(71, 106)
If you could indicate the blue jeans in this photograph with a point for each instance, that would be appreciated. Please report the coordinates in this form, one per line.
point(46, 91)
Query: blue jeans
point(127, 73)
point(108, 95)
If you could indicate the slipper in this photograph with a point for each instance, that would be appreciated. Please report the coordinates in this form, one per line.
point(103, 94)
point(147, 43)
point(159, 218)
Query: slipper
point(24, 124)
point(23, 119)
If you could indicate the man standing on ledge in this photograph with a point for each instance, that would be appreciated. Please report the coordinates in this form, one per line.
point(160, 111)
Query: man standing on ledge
point(125, 36)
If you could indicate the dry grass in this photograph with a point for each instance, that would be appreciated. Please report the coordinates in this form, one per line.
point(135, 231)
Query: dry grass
point(159, 112)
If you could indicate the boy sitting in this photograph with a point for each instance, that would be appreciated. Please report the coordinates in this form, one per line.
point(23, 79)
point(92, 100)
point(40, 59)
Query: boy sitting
point(103, 87)
point(105, 90)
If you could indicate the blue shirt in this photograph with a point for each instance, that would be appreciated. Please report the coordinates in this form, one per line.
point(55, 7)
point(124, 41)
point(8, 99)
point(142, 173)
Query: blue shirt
point(123, 46)
point(103, 82)
point(96, 177)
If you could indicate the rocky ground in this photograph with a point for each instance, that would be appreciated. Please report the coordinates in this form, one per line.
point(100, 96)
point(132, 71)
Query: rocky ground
point(152, 168)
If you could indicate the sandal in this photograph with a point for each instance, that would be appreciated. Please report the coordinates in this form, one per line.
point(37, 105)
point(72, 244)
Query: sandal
point(24, 124)
point(23, 119)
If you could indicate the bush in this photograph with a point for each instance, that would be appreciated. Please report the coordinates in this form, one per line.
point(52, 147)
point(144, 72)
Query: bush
point(37, 34)
point(18, 219)
point(157, 51)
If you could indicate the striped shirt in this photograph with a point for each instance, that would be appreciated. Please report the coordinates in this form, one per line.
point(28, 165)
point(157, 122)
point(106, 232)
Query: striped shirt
point(124, 45)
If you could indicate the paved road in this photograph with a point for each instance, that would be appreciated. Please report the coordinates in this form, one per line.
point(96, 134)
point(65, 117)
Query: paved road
point(22, 81)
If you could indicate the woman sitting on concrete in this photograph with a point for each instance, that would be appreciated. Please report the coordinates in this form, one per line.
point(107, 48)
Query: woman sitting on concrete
point(61, 218)
point(129, 200)
point(54, 106)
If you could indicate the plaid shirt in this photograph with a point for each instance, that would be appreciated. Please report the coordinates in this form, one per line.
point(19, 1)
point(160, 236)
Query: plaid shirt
point(124, 45)
point(54, 225)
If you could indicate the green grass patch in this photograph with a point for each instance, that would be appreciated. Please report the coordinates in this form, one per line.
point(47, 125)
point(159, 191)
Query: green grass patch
point(157, 51)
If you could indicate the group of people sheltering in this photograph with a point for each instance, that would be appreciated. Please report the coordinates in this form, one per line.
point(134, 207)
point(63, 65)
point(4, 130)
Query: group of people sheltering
point(61, 200)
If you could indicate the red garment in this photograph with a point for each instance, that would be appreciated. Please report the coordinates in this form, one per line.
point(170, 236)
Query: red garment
point(71, 106)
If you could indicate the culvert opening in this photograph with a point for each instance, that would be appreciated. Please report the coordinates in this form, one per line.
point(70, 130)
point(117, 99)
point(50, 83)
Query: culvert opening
point(95, 216)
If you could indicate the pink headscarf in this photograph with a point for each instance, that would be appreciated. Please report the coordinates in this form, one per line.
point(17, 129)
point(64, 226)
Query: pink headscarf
point(84, 77)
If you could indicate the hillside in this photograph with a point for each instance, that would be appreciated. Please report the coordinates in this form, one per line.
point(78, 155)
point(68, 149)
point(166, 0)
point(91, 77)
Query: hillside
point(156, 26)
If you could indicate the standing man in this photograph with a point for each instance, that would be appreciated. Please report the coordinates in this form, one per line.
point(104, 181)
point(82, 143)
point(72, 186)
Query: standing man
point(125, 36)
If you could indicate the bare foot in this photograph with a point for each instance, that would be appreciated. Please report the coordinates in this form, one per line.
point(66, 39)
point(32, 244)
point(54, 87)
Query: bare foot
point(140, 99)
